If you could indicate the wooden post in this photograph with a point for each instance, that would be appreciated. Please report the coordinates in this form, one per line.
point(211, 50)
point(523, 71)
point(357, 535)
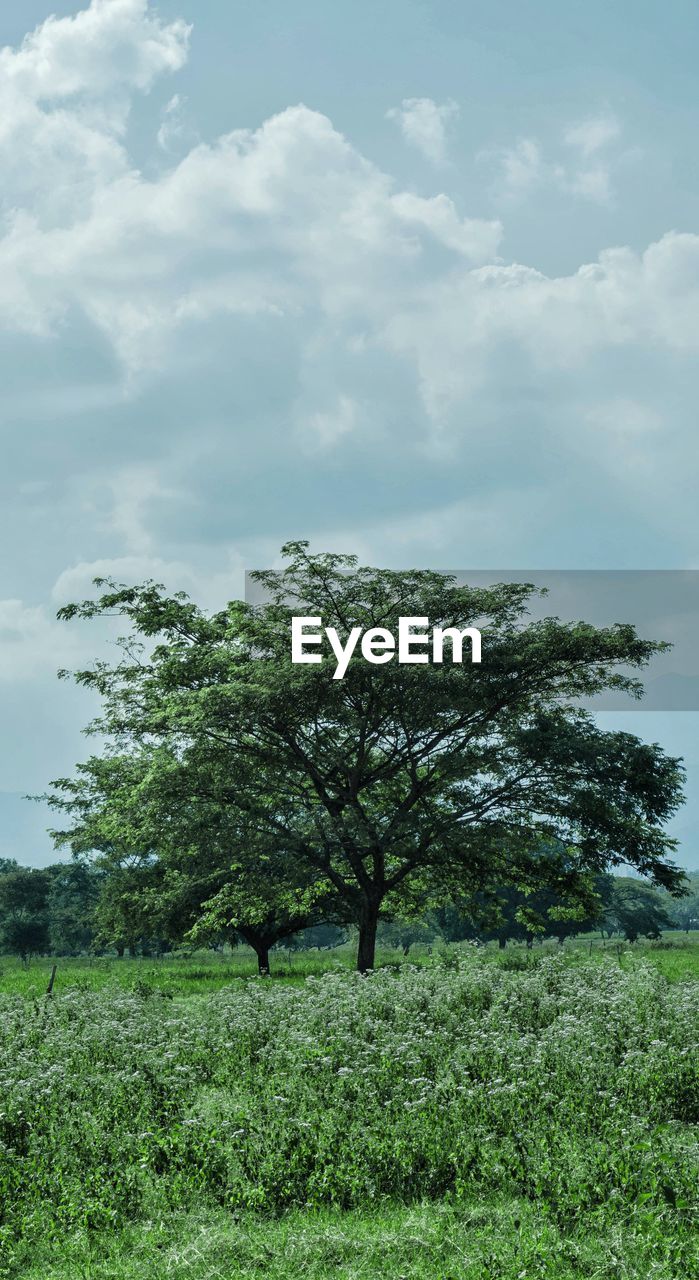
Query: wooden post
point(49, 988)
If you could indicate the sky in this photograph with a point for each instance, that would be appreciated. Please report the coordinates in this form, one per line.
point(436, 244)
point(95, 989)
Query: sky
point(416, 280)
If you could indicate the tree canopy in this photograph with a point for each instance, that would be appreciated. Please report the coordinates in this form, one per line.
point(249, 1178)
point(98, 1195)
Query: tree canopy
point(397, 781)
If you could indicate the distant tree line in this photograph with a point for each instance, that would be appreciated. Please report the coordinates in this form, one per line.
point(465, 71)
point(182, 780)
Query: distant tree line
point(52, 911)
point(72, 908)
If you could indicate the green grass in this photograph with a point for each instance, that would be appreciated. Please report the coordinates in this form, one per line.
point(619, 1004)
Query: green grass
point(675, 956)
point(178, 973)
point(490, 1241)
point(181, 973)
point(478, 1114)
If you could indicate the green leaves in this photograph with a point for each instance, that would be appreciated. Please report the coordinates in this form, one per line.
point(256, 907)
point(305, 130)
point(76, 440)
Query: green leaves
point(389, 776)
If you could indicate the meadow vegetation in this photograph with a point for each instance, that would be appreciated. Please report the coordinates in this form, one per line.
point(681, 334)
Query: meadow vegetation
point(474, 1114)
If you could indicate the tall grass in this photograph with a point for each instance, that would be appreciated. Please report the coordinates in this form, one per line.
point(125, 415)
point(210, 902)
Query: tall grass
point(572, 1086)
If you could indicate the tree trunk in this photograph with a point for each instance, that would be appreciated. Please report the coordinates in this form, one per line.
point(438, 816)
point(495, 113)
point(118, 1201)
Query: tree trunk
point(260, 941)
point(262, 953)
point(368, 925)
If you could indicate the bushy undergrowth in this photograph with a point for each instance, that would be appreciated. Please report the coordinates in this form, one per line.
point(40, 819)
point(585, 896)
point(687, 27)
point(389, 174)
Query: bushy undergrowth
point(576, 1087)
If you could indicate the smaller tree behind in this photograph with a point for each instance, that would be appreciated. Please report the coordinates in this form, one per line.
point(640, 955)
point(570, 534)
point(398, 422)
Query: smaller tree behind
point(635, 909)
point(24, 925)
point(685, 911)
point(73, 894)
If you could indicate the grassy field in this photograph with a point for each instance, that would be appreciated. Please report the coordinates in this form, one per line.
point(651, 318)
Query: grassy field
point(493, 1240)
point(475, 1114)
point(183, 973)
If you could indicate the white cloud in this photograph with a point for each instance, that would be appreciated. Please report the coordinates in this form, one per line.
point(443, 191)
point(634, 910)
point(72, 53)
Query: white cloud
point(525, 168)
point(111, 44)
point(591, 175)
point(209, 587)
point(324, 429)
point(628, 419)
point(475, 238)
point(592, 184)
point(522, 167)
point(424, 125)
point(64, 102)
point(454, 327)
point(429, 537)
point(144, 257)
point(292, 223)
point(133, 490)
point(590, 136)
point(174, 133)
point(32, 643)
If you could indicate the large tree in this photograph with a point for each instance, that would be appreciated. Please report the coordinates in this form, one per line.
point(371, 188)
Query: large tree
point(397, 777)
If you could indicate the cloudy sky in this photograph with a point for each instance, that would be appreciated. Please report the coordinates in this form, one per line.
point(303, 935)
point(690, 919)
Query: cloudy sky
point(414, 279)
